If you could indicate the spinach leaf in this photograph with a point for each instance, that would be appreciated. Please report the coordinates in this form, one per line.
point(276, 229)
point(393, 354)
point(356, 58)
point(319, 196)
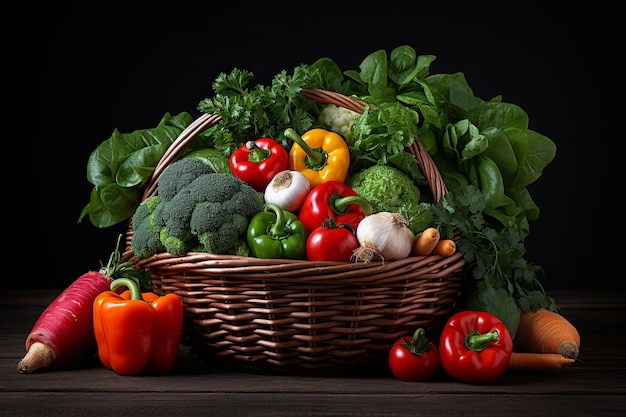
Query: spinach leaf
point(122, 164)
point(537, 152)
point(501, 151)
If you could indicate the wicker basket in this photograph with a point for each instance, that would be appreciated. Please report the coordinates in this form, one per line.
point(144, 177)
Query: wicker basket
point(288, 315)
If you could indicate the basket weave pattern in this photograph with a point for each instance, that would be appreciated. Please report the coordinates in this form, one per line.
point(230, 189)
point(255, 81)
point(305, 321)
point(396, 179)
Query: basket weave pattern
point(286, 315)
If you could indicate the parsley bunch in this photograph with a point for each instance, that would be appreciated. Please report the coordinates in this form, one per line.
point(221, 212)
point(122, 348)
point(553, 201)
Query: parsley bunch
point(250, 113)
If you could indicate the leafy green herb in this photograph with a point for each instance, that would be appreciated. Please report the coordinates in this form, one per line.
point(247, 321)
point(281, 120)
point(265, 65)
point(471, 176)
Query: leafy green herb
point(381, 132)
point(497, 254)
point(249, 113)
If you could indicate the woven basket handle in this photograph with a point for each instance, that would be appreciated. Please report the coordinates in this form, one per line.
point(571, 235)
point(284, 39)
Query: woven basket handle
point(177, 149)
point(425, 161)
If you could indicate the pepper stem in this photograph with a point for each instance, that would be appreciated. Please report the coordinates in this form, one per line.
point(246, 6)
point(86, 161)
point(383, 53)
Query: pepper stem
point(135, 292)
point(277, 230)
point(315, 157)
point(479, 341)
point(256, 154)
point(340, 204)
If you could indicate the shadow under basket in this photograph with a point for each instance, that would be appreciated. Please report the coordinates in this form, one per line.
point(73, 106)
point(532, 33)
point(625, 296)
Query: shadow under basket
point(278, 315)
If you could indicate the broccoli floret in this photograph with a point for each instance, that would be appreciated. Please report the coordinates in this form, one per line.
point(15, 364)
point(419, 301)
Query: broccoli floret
point(175, 215)
point(177, 176)
point(175, 245)
point(389, 189)
point(225, 238)
point(209, 212)
point(221, 217)
point(145, 240)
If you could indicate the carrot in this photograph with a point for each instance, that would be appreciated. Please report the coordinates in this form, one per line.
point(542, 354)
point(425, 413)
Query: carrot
point(424, 244)
point(546, 331)
point(445, 247)
point(63, 334)
point(537, 362)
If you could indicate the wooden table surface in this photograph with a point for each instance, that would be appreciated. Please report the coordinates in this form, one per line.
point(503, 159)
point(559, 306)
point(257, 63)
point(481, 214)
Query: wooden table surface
point(594, 386)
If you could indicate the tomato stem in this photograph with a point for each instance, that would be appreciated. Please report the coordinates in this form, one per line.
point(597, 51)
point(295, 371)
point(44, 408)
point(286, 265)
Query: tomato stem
point(419, 344)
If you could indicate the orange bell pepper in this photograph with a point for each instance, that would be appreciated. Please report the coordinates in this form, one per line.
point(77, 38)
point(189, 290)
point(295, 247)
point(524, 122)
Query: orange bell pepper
point(136, 331)
point(321, 155)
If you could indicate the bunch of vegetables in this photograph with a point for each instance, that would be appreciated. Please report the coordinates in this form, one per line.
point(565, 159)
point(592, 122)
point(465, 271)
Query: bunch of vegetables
point(252, 186)
point(197, 209)
point(484, 149)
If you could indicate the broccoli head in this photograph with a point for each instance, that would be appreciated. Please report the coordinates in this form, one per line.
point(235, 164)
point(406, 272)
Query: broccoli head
point(389, 189)
point(209, 212)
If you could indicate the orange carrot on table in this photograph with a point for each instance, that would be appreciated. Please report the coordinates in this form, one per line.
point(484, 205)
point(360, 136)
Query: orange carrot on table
point(545, 331)
point(424, 244)
point(537, 362)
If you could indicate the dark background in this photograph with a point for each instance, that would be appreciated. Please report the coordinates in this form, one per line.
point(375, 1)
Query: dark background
point(104, 67)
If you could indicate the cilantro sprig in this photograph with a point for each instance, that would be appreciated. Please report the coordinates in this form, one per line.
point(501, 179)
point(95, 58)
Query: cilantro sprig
point(495, 251)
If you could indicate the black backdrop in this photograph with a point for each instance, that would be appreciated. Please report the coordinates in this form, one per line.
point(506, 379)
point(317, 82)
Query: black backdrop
point(124, 67)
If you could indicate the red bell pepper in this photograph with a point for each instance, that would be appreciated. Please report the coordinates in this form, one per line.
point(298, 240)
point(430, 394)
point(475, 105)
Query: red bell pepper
point(331, 242)
point(137, 331)
point(256, 162)
point(475, 347)
point(333, 200)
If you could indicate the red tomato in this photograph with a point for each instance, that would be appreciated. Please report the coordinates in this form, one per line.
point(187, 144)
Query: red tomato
point(331, 242)
point(414, 358)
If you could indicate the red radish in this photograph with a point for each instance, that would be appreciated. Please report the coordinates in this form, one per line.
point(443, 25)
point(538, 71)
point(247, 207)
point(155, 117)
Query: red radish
point(63, 334)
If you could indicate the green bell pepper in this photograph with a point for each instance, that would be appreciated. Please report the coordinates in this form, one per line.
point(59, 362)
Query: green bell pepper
point(275, 233)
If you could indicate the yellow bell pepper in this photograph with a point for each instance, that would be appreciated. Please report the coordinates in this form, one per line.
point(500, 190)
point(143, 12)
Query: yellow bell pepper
point(321, 155)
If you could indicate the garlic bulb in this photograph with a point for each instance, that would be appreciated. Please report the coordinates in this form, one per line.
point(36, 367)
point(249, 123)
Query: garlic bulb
point(383, 235)
point(287, 189)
